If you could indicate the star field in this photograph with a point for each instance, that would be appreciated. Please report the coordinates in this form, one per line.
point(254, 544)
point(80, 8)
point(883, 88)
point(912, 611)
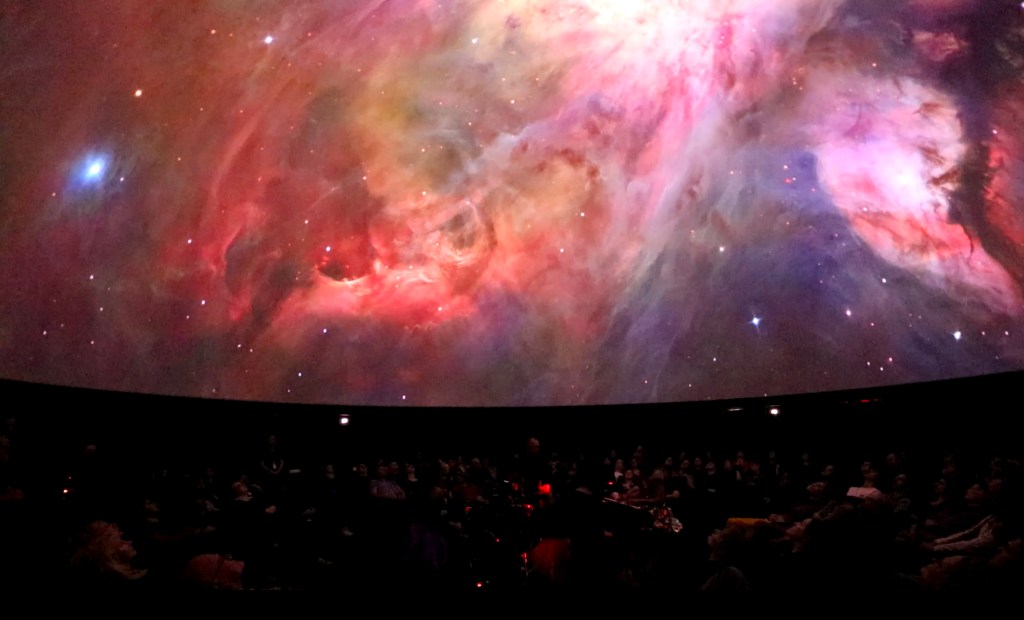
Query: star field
point(510, 202)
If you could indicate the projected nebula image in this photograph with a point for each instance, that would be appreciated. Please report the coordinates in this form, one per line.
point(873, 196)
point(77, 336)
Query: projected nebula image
point(510, 202)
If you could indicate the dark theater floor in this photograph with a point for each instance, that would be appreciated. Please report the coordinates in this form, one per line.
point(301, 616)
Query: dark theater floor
point(902, 490)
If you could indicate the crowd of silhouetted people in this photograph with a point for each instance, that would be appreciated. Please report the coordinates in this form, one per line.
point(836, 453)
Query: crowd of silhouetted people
point(278, 516)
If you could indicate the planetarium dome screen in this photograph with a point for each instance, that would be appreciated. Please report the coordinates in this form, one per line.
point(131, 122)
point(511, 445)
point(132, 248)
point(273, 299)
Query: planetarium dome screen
point(510, 202)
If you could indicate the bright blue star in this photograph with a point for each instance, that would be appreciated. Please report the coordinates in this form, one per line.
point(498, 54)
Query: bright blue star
point(94, 169)
point(756, 321)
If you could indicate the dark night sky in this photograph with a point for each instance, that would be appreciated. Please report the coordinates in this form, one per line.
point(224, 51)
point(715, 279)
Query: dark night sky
point(519, 202)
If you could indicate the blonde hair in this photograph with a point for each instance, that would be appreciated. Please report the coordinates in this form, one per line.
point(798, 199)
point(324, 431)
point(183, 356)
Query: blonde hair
point(101, 551)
